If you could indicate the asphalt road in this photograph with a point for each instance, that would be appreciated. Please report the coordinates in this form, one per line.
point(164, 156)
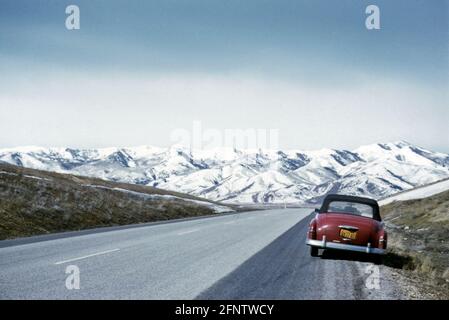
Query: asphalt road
point(252, 255)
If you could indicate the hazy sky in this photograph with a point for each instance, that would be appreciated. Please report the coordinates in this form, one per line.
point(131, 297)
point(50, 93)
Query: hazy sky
point(138, 70)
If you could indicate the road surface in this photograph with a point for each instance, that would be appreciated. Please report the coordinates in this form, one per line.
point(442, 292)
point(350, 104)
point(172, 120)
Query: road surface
point(251, 255)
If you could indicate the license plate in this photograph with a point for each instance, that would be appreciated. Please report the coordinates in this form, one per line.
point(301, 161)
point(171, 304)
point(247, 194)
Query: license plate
point(348, 234)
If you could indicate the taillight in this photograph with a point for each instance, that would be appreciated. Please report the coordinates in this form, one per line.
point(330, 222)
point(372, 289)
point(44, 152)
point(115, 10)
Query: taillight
point(383, 241)
point(312, 230)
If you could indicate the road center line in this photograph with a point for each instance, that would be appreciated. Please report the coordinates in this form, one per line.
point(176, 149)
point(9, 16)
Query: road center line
point(229, 222)
point(88, 256)
point(188, 231)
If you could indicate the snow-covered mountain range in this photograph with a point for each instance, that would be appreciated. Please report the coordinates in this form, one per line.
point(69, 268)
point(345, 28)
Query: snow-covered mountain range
point(249, 176)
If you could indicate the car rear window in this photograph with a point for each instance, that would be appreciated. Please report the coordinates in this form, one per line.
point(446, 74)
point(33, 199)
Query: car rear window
point(359, 209)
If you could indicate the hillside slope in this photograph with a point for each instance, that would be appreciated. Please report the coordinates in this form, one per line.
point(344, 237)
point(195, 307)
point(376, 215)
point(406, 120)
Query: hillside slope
point(418, 231)
point(37, 202)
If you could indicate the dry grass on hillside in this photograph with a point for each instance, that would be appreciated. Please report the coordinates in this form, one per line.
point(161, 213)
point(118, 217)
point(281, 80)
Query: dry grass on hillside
point(36, 202)
point(419, 237)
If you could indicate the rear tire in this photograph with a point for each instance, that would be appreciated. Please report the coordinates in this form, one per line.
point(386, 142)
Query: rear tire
point(313, 251)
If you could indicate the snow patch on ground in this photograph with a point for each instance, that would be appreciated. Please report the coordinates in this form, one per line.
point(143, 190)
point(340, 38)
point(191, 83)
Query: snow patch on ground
point(216, 208)
point(26, 176)
point(418, 193)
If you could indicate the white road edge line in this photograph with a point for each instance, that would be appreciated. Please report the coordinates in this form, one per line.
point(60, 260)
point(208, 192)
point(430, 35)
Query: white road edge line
point(229, 222)
point(187, 232)
point(88, 256)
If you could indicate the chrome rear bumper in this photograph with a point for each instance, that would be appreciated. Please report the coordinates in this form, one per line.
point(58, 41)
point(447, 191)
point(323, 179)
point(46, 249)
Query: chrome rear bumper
point(341, 246)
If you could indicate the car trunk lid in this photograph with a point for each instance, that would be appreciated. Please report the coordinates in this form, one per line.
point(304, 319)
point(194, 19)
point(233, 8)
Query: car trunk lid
point(349, 228)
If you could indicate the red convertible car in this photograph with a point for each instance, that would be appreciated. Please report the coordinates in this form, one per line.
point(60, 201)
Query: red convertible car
point(347, 223)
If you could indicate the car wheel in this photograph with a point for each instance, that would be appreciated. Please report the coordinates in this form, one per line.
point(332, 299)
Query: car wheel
point(314, 251)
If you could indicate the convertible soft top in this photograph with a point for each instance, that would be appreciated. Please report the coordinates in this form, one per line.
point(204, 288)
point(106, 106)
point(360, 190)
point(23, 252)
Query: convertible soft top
point(340, 197)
